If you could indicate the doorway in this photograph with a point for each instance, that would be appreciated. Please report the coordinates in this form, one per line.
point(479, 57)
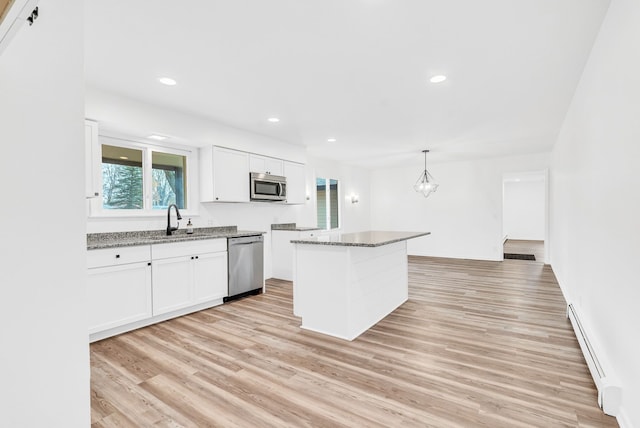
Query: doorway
point(525, 215)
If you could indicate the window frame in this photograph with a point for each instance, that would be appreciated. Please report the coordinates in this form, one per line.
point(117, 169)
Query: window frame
point(95, 207)
point(327, 202)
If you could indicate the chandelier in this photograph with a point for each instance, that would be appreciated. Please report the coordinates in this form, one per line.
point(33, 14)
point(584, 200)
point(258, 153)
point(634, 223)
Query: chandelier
point(426, 183)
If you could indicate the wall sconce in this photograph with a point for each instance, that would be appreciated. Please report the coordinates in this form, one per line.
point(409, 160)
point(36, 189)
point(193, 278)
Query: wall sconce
point(354, 198)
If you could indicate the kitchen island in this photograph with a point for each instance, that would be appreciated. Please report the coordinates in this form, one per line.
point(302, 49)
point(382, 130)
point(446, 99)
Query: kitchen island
point(345, 284)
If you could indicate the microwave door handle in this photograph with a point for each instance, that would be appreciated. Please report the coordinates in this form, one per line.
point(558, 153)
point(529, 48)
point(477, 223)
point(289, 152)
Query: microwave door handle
point(279, 189)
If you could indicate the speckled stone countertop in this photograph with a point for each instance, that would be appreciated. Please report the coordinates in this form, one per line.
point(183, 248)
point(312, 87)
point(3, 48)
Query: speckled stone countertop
point(291, 226)
point(145, 237)
point(371, 238)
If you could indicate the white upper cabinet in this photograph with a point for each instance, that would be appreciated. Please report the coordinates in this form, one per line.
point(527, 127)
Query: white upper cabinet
point(92, 153)
point(296, 182)
point(224, 175)
point(266, 165)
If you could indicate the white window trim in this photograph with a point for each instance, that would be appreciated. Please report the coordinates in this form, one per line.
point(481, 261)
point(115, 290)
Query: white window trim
point(327, 201)
point(191, 153)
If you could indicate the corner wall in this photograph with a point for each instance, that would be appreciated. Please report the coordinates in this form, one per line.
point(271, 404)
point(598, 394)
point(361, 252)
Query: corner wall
point(595, 200)
point(464, 216)
point(44, 357)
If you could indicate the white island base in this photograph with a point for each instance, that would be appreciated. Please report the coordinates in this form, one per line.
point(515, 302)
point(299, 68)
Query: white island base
point(342, 291)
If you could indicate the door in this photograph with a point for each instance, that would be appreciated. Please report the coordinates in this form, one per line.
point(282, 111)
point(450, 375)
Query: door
point(171, 284)
point(296, 182)
point(118, 295)
point(230, 175)
point(265, 165)
point(210, 277)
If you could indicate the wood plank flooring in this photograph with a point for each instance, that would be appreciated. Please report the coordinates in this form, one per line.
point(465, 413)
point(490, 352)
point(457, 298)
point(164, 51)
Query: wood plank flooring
point(477, 344)
point(521, 246)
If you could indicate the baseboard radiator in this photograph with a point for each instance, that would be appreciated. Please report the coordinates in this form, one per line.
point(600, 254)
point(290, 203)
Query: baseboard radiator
point(609, 391)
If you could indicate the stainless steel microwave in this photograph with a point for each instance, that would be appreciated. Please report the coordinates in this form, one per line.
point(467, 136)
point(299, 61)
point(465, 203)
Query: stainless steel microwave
point(265, 187)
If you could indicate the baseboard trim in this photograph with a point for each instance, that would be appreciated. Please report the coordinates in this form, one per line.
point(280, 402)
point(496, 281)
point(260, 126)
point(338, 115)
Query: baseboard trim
point(609, 388)
point(623, 420)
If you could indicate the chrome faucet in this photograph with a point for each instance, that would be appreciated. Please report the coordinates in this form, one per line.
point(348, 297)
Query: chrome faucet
point(169, 228)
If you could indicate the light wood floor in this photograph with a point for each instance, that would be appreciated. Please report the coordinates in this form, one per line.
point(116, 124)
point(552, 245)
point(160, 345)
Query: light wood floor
point(521, 246)
point(477, 344)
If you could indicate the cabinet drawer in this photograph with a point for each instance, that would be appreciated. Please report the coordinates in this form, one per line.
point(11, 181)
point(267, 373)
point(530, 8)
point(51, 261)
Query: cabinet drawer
point(189, 248)
point(118, 256)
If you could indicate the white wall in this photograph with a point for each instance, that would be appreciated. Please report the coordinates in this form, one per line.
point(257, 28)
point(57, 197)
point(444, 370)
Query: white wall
point(44, 356)
point(353, 180)
point(523, 213)
point(136, 119)
point(595, 206)
point(464, 216)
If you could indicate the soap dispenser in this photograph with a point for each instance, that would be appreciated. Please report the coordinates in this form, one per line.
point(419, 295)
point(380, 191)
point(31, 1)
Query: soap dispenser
point(189, 227)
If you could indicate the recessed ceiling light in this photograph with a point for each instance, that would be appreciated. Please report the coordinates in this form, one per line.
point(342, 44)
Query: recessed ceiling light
point(167, 81)
point(438, 78)
point(331, 140)
point(157, 137)
point(273, 120)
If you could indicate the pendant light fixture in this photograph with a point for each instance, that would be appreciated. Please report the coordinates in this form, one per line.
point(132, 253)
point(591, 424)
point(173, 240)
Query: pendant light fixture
point(425, 184)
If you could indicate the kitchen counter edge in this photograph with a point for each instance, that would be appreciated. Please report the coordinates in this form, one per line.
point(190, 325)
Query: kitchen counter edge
point(182, 237)
point(392, 238)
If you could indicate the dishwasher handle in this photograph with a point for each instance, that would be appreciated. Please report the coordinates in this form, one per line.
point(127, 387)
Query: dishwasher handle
point(245, 240)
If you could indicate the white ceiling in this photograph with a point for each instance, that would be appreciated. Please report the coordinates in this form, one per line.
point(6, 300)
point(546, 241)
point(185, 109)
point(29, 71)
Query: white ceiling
point(356, 70)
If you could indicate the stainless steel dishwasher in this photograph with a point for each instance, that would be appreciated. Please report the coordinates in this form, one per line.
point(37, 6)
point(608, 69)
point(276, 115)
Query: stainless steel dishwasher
point(246, 266)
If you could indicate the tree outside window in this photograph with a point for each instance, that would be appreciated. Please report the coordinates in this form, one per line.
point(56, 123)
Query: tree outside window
point(126, 178)
point(122, 178)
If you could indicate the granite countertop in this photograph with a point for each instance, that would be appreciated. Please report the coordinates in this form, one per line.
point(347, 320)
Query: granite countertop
point(371, 238)
point(291, 227)
point(145, 237)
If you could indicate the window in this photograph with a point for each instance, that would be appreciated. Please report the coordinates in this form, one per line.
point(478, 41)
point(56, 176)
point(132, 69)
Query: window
point(121, 178)
point(327, 191)
point(142, 178)
point(168, 173)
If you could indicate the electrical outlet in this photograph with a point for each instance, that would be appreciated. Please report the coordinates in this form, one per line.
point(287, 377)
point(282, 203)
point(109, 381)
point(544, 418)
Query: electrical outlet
point(210, 222)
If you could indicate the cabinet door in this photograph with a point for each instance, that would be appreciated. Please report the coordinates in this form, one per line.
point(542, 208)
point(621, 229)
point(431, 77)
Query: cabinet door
point(296, 182)
point(93, 177)
point(210, 277)
point(171, 284)
point(266, 165)
point(230, 175)
point(282, 253)
point(118, 295)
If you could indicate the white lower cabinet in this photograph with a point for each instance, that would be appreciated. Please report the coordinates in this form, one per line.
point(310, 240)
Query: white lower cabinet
point(210, 277)
point(129, 287)
point(188, 273)
point(282, 251)
point(118, 287)
point(171, 284)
